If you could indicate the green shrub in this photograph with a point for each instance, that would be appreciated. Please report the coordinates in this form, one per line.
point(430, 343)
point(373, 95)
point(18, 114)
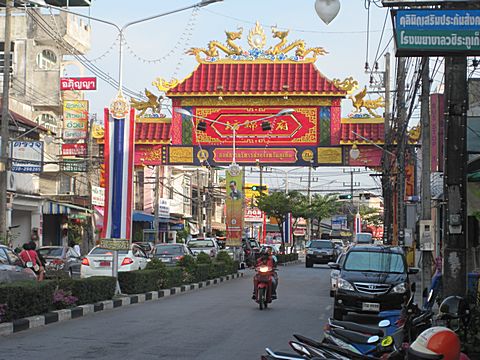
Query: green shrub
point(140, 281)
point(202, 272)
point(203, 258)
point(155, 264)
point(219, 269)
point(90, 290)
point(224, 257)
point(174, 277)
point(26, 298)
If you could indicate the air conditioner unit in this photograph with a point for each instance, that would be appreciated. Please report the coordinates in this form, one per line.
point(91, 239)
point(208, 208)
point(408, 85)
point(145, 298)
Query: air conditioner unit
point(11, 181)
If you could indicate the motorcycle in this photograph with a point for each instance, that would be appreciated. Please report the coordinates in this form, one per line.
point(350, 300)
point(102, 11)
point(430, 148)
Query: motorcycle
point(263, 285)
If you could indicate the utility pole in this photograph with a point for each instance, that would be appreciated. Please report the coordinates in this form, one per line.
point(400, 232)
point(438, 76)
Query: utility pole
point(309, 196)
point(210, 200)
point(455, 182)
point(401, 149)
point(426, 191)
point(5, 120)
point(386, 160)
point(155, 204)
point(199, 205)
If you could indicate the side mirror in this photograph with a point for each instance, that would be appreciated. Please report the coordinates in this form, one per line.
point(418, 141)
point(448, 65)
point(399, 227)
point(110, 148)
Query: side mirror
point(413, 271)
point(334, 266)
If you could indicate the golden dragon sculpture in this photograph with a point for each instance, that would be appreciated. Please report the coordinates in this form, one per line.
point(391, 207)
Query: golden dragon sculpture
point(299, 45)
point(213, 46)
point(142, 106)
point(359, 102)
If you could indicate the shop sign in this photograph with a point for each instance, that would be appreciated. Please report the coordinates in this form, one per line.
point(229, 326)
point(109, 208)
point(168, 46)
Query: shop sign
point(253, 215)
point(27, 156)
point(77, 216)
point(437, 32)
point(115, 244)
point(74, 149)
point(73, 166)
point(98, 196)
point(81, 83)
point(164, 208)
point(75, 119)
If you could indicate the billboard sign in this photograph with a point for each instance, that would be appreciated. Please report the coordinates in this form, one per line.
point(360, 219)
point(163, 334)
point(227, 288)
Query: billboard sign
point(75, 119)
point(164, 208)
point(234, 207)
point(98, 196)
point(74, 149)
point(73, 166)
point(81, 83)
point(437, 32)
point(27, 156)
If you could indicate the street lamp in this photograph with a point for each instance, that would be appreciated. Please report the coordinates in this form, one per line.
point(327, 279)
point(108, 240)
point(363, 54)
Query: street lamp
point(202, 126)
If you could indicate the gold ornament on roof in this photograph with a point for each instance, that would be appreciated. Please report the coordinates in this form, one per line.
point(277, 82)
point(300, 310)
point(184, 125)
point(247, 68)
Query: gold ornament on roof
point(414, 134)
point(299, 45)
point(164, 85)
point(119, 107)
point(256, 37)
point(348, 85)
point(359, 102)
point(142, 106)
point(213, 46)
point(280, 52)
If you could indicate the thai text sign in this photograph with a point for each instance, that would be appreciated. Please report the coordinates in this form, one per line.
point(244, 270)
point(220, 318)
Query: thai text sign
point(269, 155)
point(82, 83)
point(98, 196)
point(234, 207)
point(75, 119)
point(164, 208)
point(74, 149)
point(73, 166)
point(27, 156)
point(437, 32)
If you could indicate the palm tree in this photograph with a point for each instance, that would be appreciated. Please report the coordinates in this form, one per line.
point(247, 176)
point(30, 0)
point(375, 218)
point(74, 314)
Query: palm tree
point(322, 207)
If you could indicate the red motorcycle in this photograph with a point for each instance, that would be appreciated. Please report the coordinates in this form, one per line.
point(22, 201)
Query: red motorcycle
point(263, 285)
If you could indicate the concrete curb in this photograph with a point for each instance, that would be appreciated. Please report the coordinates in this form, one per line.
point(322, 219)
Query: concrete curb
point(83, 310)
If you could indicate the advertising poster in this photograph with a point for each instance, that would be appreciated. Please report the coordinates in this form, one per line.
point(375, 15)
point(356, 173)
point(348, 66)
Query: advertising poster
point(27, 156)
point(75, 119)
point(234, 205)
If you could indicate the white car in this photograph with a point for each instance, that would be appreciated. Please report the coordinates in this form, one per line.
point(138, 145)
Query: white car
point(334, 275)
point(98, 262)
point(207, 245)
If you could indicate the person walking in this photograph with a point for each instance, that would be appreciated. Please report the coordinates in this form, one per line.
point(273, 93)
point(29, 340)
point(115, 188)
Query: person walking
point(31, 260)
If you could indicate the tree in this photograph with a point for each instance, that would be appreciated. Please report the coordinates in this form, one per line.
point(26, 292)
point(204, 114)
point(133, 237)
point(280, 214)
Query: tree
point(278, 205)
point(322, 207)
point(371, 216)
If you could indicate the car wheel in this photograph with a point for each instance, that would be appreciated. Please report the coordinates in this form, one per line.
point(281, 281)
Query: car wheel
point(337, 314)
point(308, 264)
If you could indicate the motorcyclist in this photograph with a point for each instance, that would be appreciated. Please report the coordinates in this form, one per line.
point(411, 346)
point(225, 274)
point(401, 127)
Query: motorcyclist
point(267, 258)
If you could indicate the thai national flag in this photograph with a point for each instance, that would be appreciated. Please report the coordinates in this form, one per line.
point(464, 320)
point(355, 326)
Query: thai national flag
point(358, 223)
point(119, 152)
point(287, 228)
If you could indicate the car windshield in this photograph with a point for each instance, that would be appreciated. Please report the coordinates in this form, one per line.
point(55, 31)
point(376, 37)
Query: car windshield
point(102, 251)
point(384, 262)
point(168, 250)
point(200, 243)
point(55, 251)
point(319, 244)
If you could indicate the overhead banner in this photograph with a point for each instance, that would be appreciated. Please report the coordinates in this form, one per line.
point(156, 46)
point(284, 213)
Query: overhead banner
point(27, 156)
point(75, 119)
point(437, 32)
point(234, 207)
point(80, 83)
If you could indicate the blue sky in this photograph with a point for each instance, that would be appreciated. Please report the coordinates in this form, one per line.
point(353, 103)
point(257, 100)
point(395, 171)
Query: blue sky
point(345, 38)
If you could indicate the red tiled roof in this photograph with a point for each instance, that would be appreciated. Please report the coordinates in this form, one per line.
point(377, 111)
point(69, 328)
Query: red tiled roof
point(373, 132)
point(256, 78)
point(152, 132)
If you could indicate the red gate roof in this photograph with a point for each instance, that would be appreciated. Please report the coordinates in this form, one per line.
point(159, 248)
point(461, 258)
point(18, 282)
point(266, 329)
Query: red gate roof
point(256, 79)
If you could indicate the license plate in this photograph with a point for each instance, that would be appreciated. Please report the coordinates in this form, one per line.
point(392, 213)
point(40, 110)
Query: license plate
point(104, 263)
point(370, 307)
point(165, 259)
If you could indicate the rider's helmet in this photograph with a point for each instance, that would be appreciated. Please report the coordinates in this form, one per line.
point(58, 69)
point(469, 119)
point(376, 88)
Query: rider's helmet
point(454, 309)
point(438, 340)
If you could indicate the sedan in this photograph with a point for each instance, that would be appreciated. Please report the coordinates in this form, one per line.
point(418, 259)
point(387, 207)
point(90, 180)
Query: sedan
point(12, 268)
point(207, 245)
point(320, 252)
point(61, 258)
point(170, 254)
point(98, 262)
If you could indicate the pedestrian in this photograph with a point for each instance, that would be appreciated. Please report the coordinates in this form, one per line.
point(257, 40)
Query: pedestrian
point(31, 260)
point(75, 246)
point(64, 238)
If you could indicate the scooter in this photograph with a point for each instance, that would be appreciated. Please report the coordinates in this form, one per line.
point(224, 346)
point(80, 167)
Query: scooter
point(263, 285)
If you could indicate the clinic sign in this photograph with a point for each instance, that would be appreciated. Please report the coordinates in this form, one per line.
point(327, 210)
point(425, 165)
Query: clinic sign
point(75, 119)
point(437, 32)
point(27, 156)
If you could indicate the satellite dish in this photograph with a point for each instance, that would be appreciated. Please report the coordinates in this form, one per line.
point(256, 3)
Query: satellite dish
point(327, 10)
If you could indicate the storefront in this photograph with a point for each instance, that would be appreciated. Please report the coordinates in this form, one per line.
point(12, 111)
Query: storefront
point(25, 218)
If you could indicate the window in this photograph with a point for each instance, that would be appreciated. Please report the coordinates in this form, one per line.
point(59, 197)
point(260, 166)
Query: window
point(2, 56)
point(374, 262)
point(200, 243)
point(54, 251)
point(3, 258)
point(318, 244)
point(14, 259)
point(48, 121)
point(46, 60)
point(65, 184)
point(169, 250)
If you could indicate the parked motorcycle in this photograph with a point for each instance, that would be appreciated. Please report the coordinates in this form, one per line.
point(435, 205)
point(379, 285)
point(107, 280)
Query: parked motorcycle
point(263, 285)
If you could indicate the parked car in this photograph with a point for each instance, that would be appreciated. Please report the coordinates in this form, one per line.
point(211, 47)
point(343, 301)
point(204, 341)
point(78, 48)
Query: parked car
point(363, 238)
point(206, 245)
point(98, 262)
point(251, 249)
point(320, 252)
point(146, 246)
point(170, 254)
point(339, 244)
point(12, 268)
point(335, 273)
point(372, 278)
point(61, 258)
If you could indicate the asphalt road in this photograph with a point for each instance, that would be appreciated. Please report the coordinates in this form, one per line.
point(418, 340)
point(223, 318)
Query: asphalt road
point(219, 322)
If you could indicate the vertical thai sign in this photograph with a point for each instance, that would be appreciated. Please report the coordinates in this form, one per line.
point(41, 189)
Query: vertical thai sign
point(119, 152)
point(287, 228)
point(234, 207)
point(75, 119)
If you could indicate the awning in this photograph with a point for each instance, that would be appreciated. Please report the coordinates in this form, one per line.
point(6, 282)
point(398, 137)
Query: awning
point(219, 226)
point(54, 208)
point(141, 216)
